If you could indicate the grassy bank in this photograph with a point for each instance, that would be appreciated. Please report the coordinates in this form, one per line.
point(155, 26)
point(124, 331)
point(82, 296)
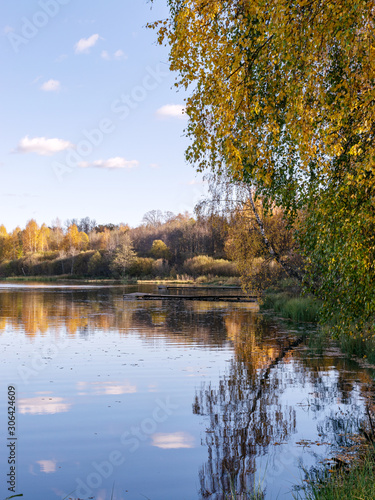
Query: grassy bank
point(354, 482)
point(288, 302)
point(288, 305)
point(180, 280)
point(189, 280)
point(58, 279)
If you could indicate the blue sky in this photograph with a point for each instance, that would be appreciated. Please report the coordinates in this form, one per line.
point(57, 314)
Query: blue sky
point(91, 124)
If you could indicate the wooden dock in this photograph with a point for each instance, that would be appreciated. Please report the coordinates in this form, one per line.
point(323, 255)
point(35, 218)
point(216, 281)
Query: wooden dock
point(198, 287)
point(206, 298)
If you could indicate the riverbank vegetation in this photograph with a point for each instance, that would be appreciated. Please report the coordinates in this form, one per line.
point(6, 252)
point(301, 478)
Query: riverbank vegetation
point(351, 475)
point(296, 308)
point(355, 483)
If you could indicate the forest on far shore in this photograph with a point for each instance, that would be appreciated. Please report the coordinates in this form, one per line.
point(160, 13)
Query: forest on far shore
point(163, 245)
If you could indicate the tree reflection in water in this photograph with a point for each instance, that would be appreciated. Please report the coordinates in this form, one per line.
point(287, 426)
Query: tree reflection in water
point(246, 413)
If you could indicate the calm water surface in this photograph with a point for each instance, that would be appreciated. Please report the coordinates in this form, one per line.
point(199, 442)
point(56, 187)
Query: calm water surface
point(164, 400)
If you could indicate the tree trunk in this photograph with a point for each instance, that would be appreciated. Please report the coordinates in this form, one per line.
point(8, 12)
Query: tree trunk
point(289, 271)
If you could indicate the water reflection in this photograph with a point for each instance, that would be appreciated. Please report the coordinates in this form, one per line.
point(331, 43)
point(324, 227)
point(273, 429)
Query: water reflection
point(247, 413)
point(105, 388)
point(47, 466)
point(173, 441)
point(76, 312)
point(244, 412)
point(243, 389)
point(43, 405)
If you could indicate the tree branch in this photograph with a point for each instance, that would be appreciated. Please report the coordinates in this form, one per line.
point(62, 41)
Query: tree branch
point(289, 271)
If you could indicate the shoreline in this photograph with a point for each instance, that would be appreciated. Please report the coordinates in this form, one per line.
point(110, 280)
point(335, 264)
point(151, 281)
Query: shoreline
point(219, 281)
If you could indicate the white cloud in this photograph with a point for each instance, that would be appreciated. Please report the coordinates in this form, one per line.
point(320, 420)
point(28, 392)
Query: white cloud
point(51, 86)
point(154, 165)
point(8, 29)
point(61, 58)
point(172, 111)
point(111, 163)
point(84, 45)
point(119, 55)
point(42, 146)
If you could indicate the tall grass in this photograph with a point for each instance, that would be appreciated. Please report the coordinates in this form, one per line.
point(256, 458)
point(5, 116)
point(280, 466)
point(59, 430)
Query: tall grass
point(360, 345)
point(354, 484)
point(304, 309)
point(350, 480)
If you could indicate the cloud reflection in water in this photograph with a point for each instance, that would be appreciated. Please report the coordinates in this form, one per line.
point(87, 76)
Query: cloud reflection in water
point(173, 441)
point(43, 405)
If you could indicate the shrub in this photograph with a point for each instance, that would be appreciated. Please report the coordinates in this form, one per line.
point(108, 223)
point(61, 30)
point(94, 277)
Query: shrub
point(141, 266)
point(94, 264)
point(204, 265)
point(160, 268)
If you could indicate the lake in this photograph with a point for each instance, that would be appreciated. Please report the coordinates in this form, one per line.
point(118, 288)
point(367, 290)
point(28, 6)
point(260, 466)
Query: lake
point(164, 400)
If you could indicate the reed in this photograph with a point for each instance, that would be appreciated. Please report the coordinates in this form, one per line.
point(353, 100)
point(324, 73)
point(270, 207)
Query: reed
point(304, 309)
point(354, 484)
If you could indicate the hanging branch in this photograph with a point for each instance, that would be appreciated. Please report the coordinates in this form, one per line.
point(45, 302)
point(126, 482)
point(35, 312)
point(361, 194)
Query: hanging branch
point(289, 271)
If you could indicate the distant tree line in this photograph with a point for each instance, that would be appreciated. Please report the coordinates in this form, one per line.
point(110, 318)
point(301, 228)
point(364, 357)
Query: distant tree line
point(163, 244)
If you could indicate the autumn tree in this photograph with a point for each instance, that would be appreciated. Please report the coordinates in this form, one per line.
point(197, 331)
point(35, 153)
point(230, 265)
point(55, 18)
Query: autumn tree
point(72, 239)
point(4, 243)
point(84, 241)
point(185, 236)
point(109, 238)
point(123, 256)
point(101, 240)
point(43, 238)
point(262, 261)
point(282, 98)
point(159, 250)
point(86, 225)
point(280, 89)
point(30, 237)
point(74, 242)
point(56, 235)
point(153, 218)
point(16, 238)
point(259, 237)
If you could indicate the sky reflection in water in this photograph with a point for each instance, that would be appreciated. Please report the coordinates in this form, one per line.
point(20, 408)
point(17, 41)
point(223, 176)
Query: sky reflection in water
point(166, 400)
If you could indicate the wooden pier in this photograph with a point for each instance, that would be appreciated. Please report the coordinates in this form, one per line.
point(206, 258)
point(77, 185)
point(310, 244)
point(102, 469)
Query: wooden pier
point(206, 298)
point(198, 287)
